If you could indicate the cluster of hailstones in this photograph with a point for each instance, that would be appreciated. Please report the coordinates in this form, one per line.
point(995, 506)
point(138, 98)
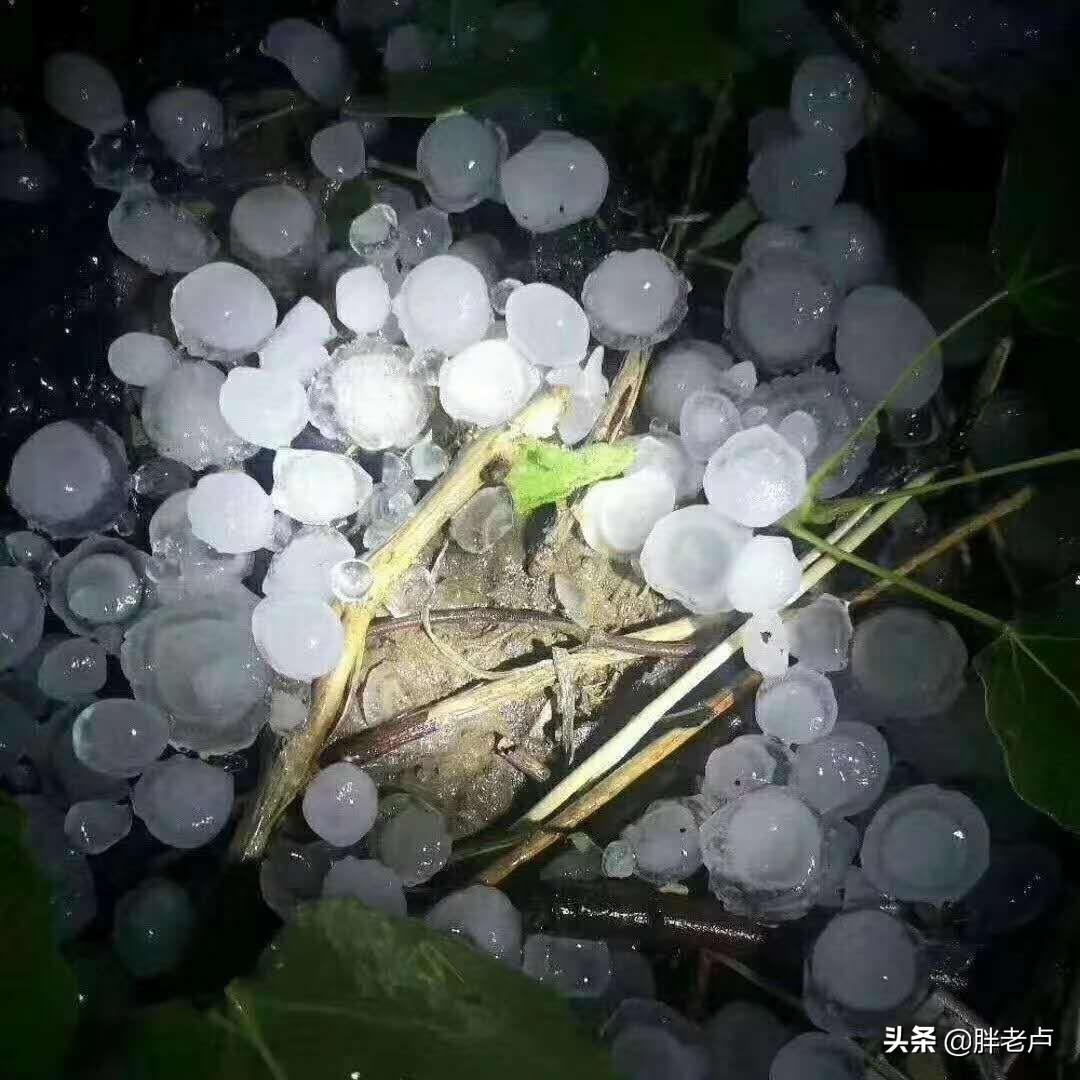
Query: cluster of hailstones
point(421, 322)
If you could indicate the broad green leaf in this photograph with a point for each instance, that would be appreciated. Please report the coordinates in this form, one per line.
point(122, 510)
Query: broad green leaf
point(544, 473)
point(1032, 679)
point(348, 992)
point(37, 988)
point(1038, 217)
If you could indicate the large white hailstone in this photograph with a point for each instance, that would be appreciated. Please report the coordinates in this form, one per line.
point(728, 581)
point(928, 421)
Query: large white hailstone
point(487, 383)
point(69, 479)
point(159, 235)
point(483, 916)
point(300, 637)
point(771, 236)
point(25, 175)
point(340, 804)
point(196, 661)
point(851, 246)
point(547, 326)
point(681, 369)
point(83, 91)
point(756, 477)
point(141, 359)
point(926, 845)
point(821, 634)
point(829, 95)
point(765, 644)
point(844, 772)
point(443, 305)
point(588, 388)
point(707, 420)
point(317, 487)
point(222, 311)
point(263, 407)
point(188, 121)
point(879, 336)
point(297, 346)
point(369, 395)
point(272, 223)
point(763, 576)
point(687, 554)
point(458, 159)
point(305, 564)
point(557, 180)
point(796, 180)
point(231, 512)
point(743, 765)
point(781, 309)
point(635, 298)
point(184, 802)
point(616, 516)
point(824, 1057)
point(119, 737)
point(796, 707)
point(362, 299)
point(908, 663)
point(338, 151)
point(152, 927)
point(22, 615)
point(408, 48)
point(370, 882)
point(315, 59)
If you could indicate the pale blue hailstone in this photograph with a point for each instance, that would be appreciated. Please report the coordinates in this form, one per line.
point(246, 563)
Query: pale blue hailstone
point(340, 804)
point(458, 159)
point(829, 96)
point(795, 180)
point(188, 121)
point(184, 802)
point(483, 916)
point(315, 59)
point(152, 927)
point(119, 737)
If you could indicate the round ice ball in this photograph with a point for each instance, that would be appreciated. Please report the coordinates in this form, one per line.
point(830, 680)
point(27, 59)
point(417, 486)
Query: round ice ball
point(634, 297)
point(340, 804)
point(743, 765)
point(231, 512)
point(797, 707)
point(72, 670)
point(222, 311)
point(315, 59)
point(487, 383)
point(756, 477)
point(414, 842)
point(849, 243)
point(83, 91)
point(794, 180)
point(183, 801)
point(687, 555)
point(443, 305)
point(707, 420)
point(187, 120)
point(272, 222)
point(547, 326)
point(141, 359)
point(771, 236)
point(679, 371)
point(362, 299)
point(305, 564)
point(22, 615)
point(152, 927)
point(483, 916)
point(458, 159)
point(95, 825)
point(338, 151)
point(318, 487)
point(299, 637)
point(376, 886)
point(264, 408)
point(844, 772)
point(616, 516)
point(119, 737)
point(829, 95)
point(557, 180)
point(763, 576)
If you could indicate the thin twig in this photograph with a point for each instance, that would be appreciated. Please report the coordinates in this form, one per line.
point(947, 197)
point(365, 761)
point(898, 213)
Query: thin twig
point(388, 167)
point(718, 264)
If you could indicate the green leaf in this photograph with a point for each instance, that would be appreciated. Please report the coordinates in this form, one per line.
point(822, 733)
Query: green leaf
point(1038, 217)
point(734, 221)
point(1031, 674)
point(37, 988)
point(346, 991)
point(544, 473)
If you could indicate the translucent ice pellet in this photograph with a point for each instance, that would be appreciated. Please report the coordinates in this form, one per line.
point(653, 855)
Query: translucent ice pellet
point(152, 927)
point(374, 884)
point(315, 59)
point(340, 804)
point(570, 966)
point(443, 305)
point(183, 801)
point(95, 825)
point(588, 395)
point(844, 772)
point(119, 737)
point(486, 383)
point(338, 151)
point(351, 580)
point(547, 325)
point(411, 839)
point(850, 245)
point(141, 359)
point(304, 565)
point(706, 421)
point(485, 917)
point(374, 233)
point(72, 670)
point(275, 230)
point(188, 121)
point(679, 371)
point(264, 408)
point(230, 512)
point(616, 516)
point(763, 576)
point(820, 634)
point(299, 636)
point(665, 842)
point(487, 517)
point(797, 707)
point(22, 615)
point(795, 180)
point(829, 95)
point(422, 235)
point(83, 91)
point(318, 487)
point(458, 159)
point(766, 644)
point(745, 764)
point(362, 299)
point(756, 477)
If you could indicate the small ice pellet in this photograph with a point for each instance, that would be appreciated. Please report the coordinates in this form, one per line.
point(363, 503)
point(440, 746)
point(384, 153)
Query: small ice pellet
point(557, 180)
point(486, 383)
point(743, 765)
point(184, 801)
point(547, 325)
point(413, 841)
point(926, 845)
point(141, 359)
point(231, 512)
point(72, 670)
point(443, 305)
point(687, 554)
point(795, 180)
point(351, 580)
point(483, 521)
point(570, 966)
point(756, 477)
point(340, 804)
point(679, 371)
point(276, 221)
point(188, 121)
point(706, 421)
point(338, 151)
point(264, 408)
point(362, 299)
point(305, 564)
point(427, 459)
point(298, 636)
point(665, 842)
point(30, 551)
point(152, 927)
point(797, 707)
point(374, 233)
point(458, 159)
point(634, 297)
point(766, 644)
point(315, 59)
point(318, 487)
point(422, 235)
point(771, 236)
point(880, 335)
point(372, 883)
point(829, 96)
point(763, 576)
point(22, 615)
point(617, 516)
point(850, 245)
point(820, 634)
point(817, 1056)
point(95, 825)
point(844, 772)
point(483, 916)
point(119, 736)
point(801, 430)
point(83, 91)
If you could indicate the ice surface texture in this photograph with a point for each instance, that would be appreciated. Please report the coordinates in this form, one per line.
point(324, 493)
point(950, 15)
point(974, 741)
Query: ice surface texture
point(340, 804)
point(829, 95)
point(458, 159)
point(484, 917)
point(443, 305)
point(315, 59)
point(844, 772)
point(486, 383)
point(745, 764)
point(317, 487)
point(707, 420)
point(276, 231)
point(797, 707)
point(183, 801)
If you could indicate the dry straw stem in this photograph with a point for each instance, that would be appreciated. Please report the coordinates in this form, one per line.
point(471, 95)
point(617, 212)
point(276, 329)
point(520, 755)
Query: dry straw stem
point(296, 756)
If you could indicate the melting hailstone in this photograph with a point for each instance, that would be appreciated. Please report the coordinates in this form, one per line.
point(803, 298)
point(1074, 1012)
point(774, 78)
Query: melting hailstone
point(458, 159)
point(84, 91)
point(231, 512)
point(188, 121)
point(796, 179)
point(547, 325)
point(264, 408)
point(412, 840)
point(815, 1054)
point(850, 245)
point(184, 802)
point(588, 395)
point(743, 765)
point(315, 59)
point(763, 576)
point(756, 477)
point(570, 966)
point(616, 516)
point(486, 383)
point(95, 825)
point(483, 916)
point(707, 420)
point(141, 359)
point(119, 737)
point(338, 151)
point(796, 707)
point(443, 305)
point(305, 564)
point(22, 615)
point(300, 637)
point(821, 634)
point(679, 371)
point(340, 804)
point(72, 670)
point(362, 299)
point(159, 235)
point(829, 95)
point(370, 882)
point(318, 487)
point(844, 772)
